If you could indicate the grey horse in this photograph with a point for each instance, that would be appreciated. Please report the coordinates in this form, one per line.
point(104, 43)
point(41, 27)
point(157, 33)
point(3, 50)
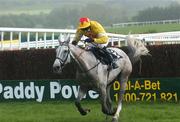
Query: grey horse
point(93, 75)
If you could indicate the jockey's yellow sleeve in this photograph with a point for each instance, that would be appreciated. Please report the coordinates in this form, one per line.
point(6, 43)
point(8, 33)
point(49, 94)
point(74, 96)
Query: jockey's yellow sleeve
point(96, 33)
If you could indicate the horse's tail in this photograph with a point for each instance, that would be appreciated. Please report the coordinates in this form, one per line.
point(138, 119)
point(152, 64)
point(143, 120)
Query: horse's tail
point(136, 49)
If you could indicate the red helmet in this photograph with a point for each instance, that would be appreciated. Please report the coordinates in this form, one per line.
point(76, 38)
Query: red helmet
point(84, 22)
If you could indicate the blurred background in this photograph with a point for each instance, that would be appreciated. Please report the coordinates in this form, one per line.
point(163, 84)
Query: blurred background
point(65, 13)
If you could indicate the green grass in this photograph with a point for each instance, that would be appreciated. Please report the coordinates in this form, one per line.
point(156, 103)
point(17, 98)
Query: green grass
point(66, 112)
point(145, 29)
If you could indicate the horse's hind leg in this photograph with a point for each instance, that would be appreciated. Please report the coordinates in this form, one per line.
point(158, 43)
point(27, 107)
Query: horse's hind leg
point(81, 94)
point(123, 83)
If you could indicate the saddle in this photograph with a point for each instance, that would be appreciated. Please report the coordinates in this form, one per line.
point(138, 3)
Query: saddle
point(105, 56)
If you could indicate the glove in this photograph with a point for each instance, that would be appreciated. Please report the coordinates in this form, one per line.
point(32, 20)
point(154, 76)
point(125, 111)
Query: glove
point(74, 43)
point(88, 40)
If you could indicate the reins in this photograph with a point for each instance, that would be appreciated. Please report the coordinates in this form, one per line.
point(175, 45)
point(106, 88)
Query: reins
point(77, 57)
point(91, 67)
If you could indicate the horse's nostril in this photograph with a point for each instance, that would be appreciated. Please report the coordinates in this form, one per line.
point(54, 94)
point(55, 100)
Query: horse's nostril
point(55, 69)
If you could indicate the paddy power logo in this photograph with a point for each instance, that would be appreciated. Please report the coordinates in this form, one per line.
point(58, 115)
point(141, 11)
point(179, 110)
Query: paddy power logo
point(50, 90)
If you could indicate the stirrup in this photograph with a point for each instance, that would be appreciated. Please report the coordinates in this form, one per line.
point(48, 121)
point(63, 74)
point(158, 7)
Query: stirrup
point(109, 67)
point(114, 66)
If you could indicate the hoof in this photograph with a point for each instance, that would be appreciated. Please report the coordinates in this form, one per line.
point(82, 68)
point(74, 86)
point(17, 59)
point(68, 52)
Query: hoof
point(84, 111)
point(112, 111)
point(87, 110)
point(109, 112)
point(114, 119)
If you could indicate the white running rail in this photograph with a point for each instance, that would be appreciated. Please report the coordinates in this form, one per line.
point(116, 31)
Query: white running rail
point(160, 38)
point(177, 21)
point(31, 38)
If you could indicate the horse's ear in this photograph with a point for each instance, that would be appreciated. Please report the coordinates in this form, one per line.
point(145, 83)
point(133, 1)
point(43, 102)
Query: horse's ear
point(129, 35)
point(67, 39)
point(60, 40)
point(64, 39)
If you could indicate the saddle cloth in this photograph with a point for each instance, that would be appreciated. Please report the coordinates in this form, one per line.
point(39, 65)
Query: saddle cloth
point(101, 55)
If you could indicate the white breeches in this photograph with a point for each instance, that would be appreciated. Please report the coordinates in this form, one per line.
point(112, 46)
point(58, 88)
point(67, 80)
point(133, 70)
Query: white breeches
point(90, 45)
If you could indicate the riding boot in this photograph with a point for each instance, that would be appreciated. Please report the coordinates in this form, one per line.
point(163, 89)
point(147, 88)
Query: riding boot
point(112, 63)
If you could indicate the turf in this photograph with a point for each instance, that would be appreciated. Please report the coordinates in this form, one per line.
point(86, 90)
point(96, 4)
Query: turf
point(66, 112)
point(145, 29)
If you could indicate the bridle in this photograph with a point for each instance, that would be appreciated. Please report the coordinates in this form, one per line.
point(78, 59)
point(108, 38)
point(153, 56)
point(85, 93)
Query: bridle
point(63, 61)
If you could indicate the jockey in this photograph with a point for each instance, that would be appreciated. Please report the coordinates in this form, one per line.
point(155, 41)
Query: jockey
point(96, 36)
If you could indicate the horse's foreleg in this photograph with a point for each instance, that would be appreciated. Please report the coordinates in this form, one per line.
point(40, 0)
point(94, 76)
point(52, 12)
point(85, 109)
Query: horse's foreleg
point(103, 98)
point(109, 101)
point(81, 94)
point(120, 98)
